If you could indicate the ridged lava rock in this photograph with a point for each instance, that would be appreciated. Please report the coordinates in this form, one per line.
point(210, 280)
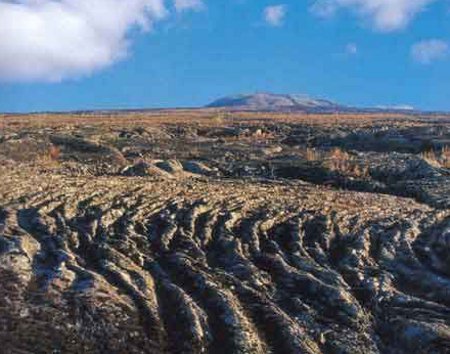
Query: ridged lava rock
point(188, 266)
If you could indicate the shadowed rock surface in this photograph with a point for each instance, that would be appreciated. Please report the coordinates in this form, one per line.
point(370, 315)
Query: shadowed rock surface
point(239, 245)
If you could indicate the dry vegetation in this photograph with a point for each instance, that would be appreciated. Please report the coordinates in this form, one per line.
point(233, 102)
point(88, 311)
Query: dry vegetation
point(440, 158)
point(210, 232)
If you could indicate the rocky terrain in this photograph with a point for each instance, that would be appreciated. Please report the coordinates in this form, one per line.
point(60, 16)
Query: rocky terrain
point(202, 231)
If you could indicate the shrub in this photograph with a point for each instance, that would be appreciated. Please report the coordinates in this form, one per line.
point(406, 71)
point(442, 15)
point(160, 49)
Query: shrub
point(54, 153)
point(220, 117)
point(312, 154)
point(445, 156)
point(342, 162)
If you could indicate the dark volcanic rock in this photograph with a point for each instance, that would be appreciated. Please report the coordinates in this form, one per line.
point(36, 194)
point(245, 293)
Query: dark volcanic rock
point(184, 266)
point(256, 233)
point(144, 169)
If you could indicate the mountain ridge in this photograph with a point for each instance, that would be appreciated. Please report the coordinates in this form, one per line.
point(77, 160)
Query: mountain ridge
point(265, 101)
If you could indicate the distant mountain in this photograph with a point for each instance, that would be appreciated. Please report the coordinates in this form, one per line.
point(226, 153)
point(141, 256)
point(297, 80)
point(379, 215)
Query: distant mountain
point(275, 102)
point(289, 103)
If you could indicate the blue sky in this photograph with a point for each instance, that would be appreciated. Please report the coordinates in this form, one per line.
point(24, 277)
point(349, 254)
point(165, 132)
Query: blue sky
point(151, 53)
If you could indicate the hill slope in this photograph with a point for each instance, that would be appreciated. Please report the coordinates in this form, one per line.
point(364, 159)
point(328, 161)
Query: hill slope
point(273, 102)
point(293, 103)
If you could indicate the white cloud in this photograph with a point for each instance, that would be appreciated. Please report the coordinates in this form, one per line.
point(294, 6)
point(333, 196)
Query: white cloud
point(351, 49)
point(48, 40)
point(274, 15)
point(183, 5)
point(427, 51)
point(383, 15)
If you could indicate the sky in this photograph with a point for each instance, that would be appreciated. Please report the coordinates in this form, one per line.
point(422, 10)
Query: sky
point(62, 55)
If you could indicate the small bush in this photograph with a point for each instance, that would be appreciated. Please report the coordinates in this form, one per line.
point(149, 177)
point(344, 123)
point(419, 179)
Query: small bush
point(311, 154)
point(54, 152)
point(445, 156)
point(342, 162)
point(220, 117)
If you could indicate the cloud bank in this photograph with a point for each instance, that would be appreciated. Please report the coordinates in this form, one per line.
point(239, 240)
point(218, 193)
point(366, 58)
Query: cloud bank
point(383, 15)
point(47, 40)
point(53, 40)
